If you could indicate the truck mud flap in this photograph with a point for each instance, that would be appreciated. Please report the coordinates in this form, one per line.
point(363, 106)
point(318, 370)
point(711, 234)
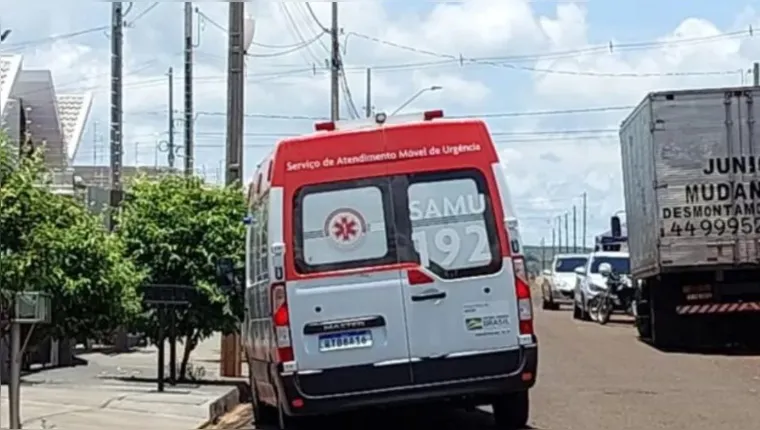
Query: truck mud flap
point(718, 308)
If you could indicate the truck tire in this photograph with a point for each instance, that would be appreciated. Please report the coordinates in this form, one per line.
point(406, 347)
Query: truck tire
point(663, 332)
point(643, 321)
point(663, 322)
point(642, 314)
point(511, 411)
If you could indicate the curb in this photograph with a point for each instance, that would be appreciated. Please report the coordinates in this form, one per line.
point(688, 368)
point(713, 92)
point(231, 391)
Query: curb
point(224, 404)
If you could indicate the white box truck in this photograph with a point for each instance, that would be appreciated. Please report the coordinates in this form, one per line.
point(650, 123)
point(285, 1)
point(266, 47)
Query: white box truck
point(691, 175)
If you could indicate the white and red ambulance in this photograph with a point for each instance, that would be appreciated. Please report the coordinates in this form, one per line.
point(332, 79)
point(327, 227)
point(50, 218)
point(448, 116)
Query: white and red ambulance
point(383, 267)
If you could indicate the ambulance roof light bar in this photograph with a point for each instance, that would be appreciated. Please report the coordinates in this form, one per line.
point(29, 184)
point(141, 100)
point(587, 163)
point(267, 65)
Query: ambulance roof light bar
point(379, 119)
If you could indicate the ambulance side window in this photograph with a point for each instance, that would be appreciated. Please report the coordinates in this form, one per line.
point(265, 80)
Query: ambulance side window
point(262, 252)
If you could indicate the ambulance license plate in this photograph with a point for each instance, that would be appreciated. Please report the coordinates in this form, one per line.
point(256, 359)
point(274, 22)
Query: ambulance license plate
point(345, 340)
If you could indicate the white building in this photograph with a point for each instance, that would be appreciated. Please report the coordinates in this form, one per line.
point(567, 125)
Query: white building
point(30, 104)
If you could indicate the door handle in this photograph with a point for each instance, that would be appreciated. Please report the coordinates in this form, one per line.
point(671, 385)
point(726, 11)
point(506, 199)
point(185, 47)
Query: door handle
point(438, 295)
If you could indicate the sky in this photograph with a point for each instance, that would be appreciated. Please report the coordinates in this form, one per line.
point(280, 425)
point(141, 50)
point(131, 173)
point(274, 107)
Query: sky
point(553, 79)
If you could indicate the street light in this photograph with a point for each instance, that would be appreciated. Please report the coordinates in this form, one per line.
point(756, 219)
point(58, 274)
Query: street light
point(415, 96)
point(249, 27)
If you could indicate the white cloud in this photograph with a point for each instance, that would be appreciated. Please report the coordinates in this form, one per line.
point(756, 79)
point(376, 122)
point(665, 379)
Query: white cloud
point(547, 175)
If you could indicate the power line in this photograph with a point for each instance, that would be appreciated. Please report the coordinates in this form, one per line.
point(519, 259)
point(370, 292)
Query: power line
point(484, 60)
point(296, 33)
point(288, 49)
point(556, 139)
point(461, 116)
point(612, 47)
point(314, 17)
point(56, 38)
point(142, 14)
point(305, 44)
point(554, 132)
point(546, 112)
point(347, 92)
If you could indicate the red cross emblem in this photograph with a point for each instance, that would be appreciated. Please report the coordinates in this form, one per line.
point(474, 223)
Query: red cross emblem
point(345, 226)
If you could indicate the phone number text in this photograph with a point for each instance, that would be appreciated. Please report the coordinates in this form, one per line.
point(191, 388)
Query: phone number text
point(712, 227)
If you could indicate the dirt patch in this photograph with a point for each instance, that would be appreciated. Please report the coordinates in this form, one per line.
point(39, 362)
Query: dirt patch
point(240, 417)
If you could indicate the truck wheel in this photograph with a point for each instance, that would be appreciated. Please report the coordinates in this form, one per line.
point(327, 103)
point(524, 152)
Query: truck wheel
point(644, 326)
point(663, 328)
point(511, 411)
point(662, 332)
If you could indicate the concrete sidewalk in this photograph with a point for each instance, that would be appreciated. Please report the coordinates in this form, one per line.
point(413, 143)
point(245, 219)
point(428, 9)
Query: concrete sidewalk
point(119, 391)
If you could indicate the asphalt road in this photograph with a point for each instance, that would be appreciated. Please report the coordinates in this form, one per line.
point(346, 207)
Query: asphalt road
point(594, 377)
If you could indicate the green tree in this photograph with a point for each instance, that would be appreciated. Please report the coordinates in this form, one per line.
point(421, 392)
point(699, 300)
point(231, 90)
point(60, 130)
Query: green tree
point(176, 228)
point(51, 243)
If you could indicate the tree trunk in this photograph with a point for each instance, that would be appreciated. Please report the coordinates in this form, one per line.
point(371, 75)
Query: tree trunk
point(191, 341)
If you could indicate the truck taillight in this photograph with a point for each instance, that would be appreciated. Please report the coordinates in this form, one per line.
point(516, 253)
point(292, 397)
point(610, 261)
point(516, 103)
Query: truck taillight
point(281, 322)
point(522, 288)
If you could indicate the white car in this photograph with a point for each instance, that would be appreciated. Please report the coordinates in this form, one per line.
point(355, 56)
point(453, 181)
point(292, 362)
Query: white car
point(558, 283)
point(589, 282)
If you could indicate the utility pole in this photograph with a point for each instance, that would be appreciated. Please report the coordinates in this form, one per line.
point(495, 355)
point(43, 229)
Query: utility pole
point(116, 102)
point(583, 229)
point(543, 253)
point(575, 234)
point(189, 87)
point(235, 89)
point(369, 92)
point(567, 235)
point(117, 136)
point(756, 74)
point(230, 347)
point(170, 145)
point(335, 66)
point(95, 143)
point(554, 241)
point(559, 234)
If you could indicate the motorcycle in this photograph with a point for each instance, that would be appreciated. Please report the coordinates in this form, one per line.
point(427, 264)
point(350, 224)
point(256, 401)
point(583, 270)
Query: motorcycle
point(617, 296)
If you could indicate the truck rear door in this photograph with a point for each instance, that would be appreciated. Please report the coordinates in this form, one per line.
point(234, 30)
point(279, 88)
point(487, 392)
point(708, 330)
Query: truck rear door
point(706, 150)
point(460, 301)
point(347, 315)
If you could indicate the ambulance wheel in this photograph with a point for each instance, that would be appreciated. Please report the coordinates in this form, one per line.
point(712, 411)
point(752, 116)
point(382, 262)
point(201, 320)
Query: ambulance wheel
point(285, 421)
point(262, 413)
point(511, 411)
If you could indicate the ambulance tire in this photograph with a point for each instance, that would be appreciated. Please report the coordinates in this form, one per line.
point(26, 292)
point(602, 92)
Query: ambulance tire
point(262, 413)
point(511, 411)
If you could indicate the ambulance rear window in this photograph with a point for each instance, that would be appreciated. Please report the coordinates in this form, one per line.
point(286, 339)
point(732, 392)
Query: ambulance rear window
point(452, 223)
point(442, 220)
point(343, 226)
